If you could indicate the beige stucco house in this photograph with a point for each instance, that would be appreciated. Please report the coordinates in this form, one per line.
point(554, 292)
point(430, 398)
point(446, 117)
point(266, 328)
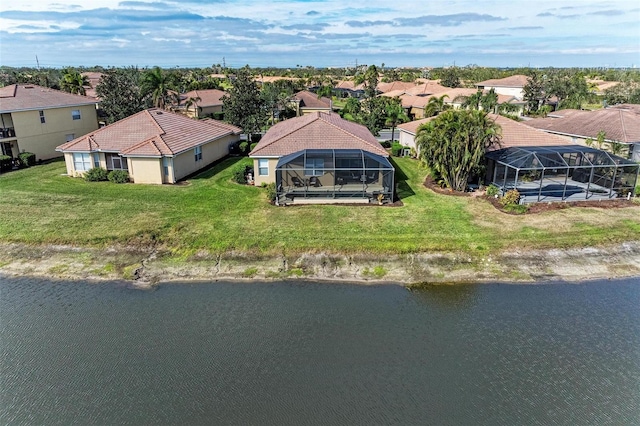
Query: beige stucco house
point(38, 119)
point(512, 86)
point(306, 102)
point(203, 102)
point(154, 146)
point(321, 157)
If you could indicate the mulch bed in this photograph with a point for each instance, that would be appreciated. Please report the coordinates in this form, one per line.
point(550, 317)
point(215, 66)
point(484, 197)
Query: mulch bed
point(532, 207)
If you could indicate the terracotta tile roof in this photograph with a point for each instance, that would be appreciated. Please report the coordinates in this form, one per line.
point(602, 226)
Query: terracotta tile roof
point(310, 100)
point(349, 85)
point(318, 130)
point(516, 133)
point(393, 93)
point(94, 80)
point(512, 81)
point(25, 97)
point(451, 94)
point(272, 79)
point(152, 132)
point(394, 85)
point(208, 98)
point(622, 125)
point(412, 126)
point(428, 88)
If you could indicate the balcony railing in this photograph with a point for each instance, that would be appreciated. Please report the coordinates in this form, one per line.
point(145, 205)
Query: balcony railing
point(7, 132)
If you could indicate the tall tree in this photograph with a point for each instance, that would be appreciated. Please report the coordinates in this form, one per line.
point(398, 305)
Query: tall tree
point(119, 93)
point(450, 77)
point(489, 101)
point(157, 88)
point(74, 82)
point(243, 106)
point(453, 144)
point(535, 92)
point(395, 115)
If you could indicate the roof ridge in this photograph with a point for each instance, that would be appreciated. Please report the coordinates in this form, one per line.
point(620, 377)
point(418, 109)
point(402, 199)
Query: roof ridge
point(294, 129)
point(162, 132)
point(624, 130)
point(352, 134)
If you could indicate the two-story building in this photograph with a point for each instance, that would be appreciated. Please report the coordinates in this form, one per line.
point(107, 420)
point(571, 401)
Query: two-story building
point(38, 119)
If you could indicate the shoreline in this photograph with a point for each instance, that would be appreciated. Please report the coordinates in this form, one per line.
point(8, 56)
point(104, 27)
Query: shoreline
point(145, 267)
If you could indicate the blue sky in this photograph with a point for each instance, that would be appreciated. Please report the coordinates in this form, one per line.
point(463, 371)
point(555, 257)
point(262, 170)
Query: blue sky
point(322, 33)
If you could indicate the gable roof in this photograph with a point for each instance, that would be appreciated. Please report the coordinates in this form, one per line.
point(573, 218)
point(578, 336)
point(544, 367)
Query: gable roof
point(310, 100)
point(394, 85)
point(619, 124)
point(208, 98)
point(27, 97)
point(318, 130)
point(152, 132)
point(428, 88)
point(421, 101)
point(517, 80)
point(412, 126)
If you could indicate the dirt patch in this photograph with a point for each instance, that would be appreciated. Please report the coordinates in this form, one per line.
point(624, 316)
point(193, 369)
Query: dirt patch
point(433, 185)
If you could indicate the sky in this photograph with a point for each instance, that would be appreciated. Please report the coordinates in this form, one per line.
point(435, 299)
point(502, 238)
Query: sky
point(320, 33)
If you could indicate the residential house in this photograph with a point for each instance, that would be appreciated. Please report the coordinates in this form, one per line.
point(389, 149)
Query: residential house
point(429, 87)
point(306, 102)
point(452, 97)
point(154, 146)
point(394, 85)
point(407, 132)
point(94, 79)
point(202, 103)
point(512, 86)
point(620, 124)
point(320, 157)
point(37, 119)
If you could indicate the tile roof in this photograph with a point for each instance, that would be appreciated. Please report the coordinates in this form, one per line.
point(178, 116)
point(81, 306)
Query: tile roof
point(518, 80)
point(516, 133)
point(310, 100)
point(152, 132)
point(208, 98)
point(428, 88)
point(25, 97)
point(94, 80)
point(318, 130)
point(451, 94)
point(622, 125)
point(349, 85)
point(394, 85)
point(412, 126)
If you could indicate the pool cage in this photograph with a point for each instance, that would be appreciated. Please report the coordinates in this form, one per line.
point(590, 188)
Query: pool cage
point(334, 174)
point(561, 173)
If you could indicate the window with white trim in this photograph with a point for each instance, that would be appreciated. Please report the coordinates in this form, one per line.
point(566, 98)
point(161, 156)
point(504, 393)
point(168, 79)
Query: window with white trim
point(96, 159)
point(198, 153)
point(314, 167)
point(75, 114)
point(263, 167)
point(165, 166)
point(81, 161)
point(42, 120)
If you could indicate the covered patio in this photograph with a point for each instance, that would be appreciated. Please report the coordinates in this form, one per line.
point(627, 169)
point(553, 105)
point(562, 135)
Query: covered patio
point(334, 175)
point(561, 173)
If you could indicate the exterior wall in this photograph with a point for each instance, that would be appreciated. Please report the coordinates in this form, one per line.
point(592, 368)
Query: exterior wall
point(305, 111)
point(518, 92)
point(43, 138)
point(635, 154)
point(407, 139)
point(145, 170)
point(184, 164)
point(417, 113)
point(68, 160)
point(271, 177)
point(204, 111)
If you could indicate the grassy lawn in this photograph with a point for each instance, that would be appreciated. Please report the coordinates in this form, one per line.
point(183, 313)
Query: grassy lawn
point(40, 205)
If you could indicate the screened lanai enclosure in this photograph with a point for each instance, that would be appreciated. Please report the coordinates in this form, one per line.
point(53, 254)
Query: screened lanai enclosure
point(561, 173)
point(334, 175)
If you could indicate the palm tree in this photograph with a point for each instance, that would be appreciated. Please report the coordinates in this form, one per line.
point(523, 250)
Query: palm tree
point(156, 86)
point(74, 82)
point(435, 106)
point(192, 101)
point(395, 115)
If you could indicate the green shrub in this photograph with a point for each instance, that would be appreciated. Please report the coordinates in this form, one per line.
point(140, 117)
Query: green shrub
point(492, 190)
point(396, 149)
point(638, 191)
point(252, 146)
point(386, 144)
point(118, 176)
point(271, 192)
point(239, 173)
point(28, 159)
point(244, 147)
point(96, 174)
point(511, 198)
point(5, 163)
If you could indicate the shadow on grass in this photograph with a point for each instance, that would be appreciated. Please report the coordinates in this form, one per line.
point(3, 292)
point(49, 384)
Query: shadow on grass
point(403, 189)
point(215, 168)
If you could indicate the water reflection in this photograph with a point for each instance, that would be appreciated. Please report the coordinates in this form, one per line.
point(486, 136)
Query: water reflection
point(454, 296)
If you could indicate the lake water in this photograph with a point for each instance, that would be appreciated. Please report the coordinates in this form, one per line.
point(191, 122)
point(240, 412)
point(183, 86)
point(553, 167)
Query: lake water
point(313, 353)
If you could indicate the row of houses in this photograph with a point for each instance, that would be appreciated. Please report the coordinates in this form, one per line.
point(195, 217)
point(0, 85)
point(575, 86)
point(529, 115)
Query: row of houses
point(315, 157)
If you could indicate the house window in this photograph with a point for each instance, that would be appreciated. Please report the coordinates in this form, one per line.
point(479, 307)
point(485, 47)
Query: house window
point(75, 114)
point(263, 167)
point(42, 120)
point(70, 137)
point(198, 153)
point(96, 160)
point(115, 162)
point(314, 167)
point(81, 161)
point(165, 166)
